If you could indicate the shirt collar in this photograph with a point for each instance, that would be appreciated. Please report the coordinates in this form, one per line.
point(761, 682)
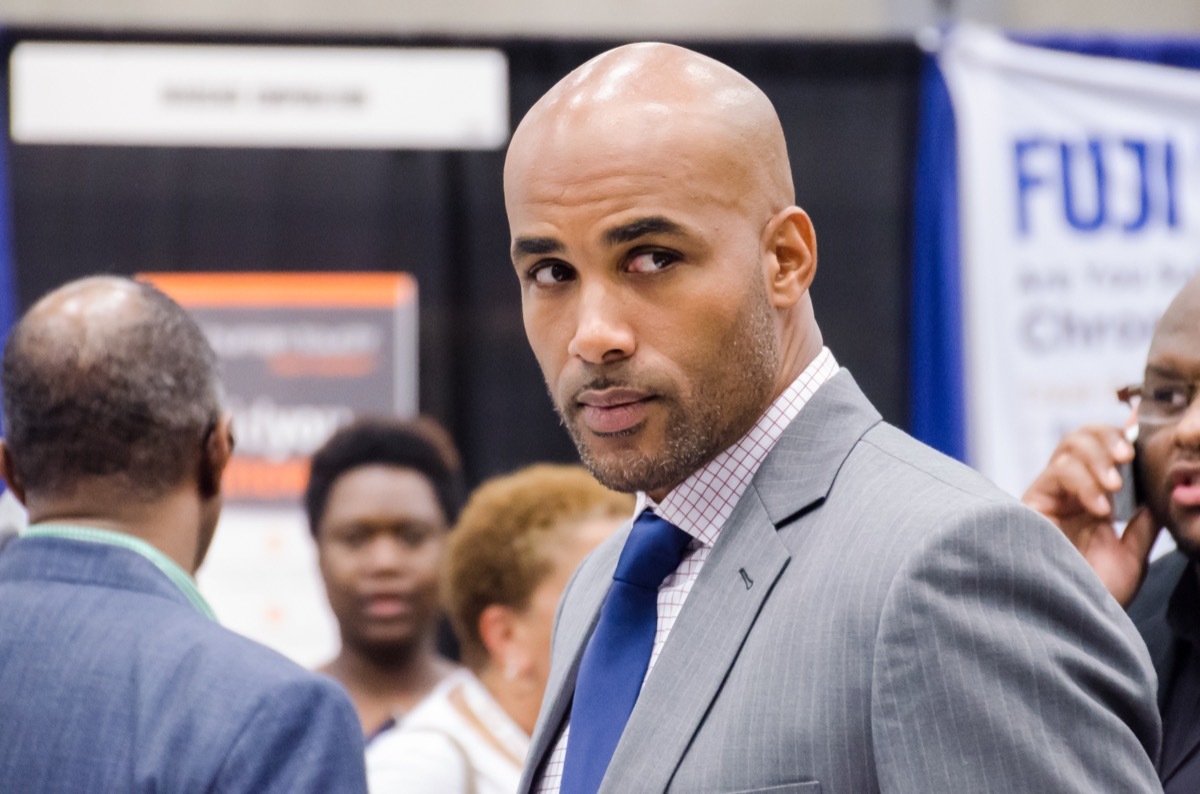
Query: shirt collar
point(700, 504)
point(169, 567)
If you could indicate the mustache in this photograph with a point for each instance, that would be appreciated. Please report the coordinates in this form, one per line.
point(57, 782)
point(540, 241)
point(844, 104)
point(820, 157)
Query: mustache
point(603, 382)
point(608, 376)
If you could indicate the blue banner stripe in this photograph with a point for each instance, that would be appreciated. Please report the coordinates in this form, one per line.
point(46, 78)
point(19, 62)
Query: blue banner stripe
point(937, 411)
point(1183, 53)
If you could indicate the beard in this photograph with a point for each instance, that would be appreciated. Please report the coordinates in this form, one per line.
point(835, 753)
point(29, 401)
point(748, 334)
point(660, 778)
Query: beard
point(726, 396)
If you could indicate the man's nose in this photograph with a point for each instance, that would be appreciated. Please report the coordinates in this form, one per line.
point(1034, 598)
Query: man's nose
point(603, 333)
point(1187, 431)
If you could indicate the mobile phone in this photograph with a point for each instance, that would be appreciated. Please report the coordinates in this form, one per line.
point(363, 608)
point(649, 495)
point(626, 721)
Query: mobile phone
point(1131, 496)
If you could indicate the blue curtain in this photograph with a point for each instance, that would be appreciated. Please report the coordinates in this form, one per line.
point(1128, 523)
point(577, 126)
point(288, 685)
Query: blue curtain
point(937, 405)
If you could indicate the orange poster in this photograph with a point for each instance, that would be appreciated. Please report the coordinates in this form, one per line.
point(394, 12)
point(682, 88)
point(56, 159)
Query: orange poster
point(301, 354)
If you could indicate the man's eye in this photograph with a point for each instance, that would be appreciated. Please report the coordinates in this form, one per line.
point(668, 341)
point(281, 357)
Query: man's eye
point(1173, 396)
point(553, 273)
point(652, 261)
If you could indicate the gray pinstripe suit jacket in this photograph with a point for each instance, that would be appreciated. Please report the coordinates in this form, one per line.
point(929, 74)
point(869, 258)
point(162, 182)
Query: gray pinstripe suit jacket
point(909, 628)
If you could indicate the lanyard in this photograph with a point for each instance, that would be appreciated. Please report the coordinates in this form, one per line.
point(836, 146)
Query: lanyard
point(170, 569)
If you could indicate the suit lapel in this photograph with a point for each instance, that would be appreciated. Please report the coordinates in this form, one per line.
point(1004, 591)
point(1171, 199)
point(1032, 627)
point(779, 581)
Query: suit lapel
point(1182, 740)
point(1185, 760)
point(804, 463)
point(583, 598)
point(736, 581)
point(1149, 614)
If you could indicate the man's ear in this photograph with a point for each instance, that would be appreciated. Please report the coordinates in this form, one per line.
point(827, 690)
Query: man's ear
point(8, 470)
point(790, 244)
point(218, 449)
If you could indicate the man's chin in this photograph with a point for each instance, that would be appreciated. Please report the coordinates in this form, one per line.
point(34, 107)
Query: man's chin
point(654, 457)
point(1186, 532)
point(620, 467)
point(612, 472)
point(607, 450)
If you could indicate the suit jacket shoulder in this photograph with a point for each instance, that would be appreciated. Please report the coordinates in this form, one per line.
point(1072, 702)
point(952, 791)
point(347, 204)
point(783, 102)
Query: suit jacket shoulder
point(118, 684)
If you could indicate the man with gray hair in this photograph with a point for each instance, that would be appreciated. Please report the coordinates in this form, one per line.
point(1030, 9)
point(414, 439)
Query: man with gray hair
point(114, 675)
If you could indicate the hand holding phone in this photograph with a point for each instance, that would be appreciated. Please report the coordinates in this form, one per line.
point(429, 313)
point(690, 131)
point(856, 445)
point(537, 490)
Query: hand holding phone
point(1130, 497)
point(1079, 493)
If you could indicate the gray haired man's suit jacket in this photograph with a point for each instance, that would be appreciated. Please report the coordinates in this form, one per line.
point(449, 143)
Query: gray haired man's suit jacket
point(111, 682)
point(902, 626)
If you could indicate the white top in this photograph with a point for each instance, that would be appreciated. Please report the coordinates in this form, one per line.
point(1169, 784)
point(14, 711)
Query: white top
point(700, 506)
point(439, 747)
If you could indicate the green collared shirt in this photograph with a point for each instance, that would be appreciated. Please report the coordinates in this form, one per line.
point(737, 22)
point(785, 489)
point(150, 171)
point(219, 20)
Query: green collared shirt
point(169, 567)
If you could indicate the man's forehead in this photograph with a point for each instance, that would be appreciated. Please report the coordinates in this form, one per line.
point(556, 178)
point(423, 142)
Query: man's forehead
point(1183, 314)
point(614, 209)
point(651, 112)
point(1177, 334)
point(583, 135)
point(630, 152)
point(1178, 329)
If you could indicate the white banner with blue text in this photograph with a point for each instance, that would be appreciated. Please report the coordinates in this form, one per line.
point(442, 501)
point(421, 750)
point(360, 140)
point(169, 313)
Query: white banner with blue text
point(1079, 219)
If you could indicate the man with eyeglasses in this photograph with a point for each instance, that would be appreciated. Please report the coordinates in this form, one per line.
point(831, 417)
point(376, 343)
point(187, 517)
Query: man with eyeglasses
point(1076, 493)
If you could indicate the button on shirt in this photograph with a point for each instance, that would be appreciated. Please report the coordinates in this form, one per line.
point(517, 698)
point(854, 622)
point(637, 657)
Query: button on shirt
point(699, 506)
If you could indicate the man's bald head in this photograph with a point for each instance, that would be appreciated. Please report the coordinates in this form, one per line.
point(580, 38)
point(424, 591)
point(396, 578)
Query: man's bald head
point(107, 377)
point(653, 96)
point(1182, 316)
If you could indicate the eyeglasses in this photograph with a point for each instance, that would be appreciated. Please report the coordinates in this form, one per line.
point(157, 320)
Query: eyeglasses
point(1159, 401)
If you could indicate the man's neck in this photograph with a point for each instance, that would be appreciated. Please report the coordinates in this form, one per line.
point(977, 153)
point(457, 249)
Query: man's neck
point(799, 350)
point(170, 523)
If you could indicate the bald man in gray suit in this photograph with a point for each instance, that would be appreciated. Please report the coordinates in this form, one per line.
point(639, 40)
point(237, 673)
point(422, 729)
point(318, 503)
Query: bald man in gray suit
point(836, 607)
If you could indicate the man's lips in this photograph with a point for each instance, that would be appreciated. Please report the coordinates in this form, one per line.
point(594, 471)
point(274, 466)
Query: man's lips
point(608, 411)
point(1185, 485)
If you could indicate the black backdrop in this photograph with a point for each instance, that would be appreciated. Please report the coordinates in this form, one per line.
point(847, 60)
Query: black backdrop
point(848, 109)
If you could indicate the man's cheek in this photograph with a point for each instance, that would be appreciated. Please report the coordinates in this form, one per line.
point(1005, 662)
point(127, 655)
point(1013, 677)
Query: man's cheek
point(1152, 461)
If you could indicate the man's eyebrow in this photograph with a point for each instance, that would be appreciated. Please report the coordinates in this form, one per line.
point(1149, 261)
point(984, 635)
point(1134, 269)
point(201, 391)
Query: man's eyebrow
point(1163, 371)
point(628, 232)
point(535, 246)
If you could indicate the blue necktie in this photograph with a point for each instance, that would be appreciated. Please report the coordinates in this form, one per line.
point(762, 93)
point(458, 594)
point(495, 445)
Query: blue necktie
point(615, 660)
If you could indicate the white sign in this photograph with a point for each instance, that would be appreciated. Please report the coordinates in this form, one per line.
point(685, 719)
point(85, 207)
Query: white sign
point(262, 581)
point(1080, 220)
point(250, 96)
